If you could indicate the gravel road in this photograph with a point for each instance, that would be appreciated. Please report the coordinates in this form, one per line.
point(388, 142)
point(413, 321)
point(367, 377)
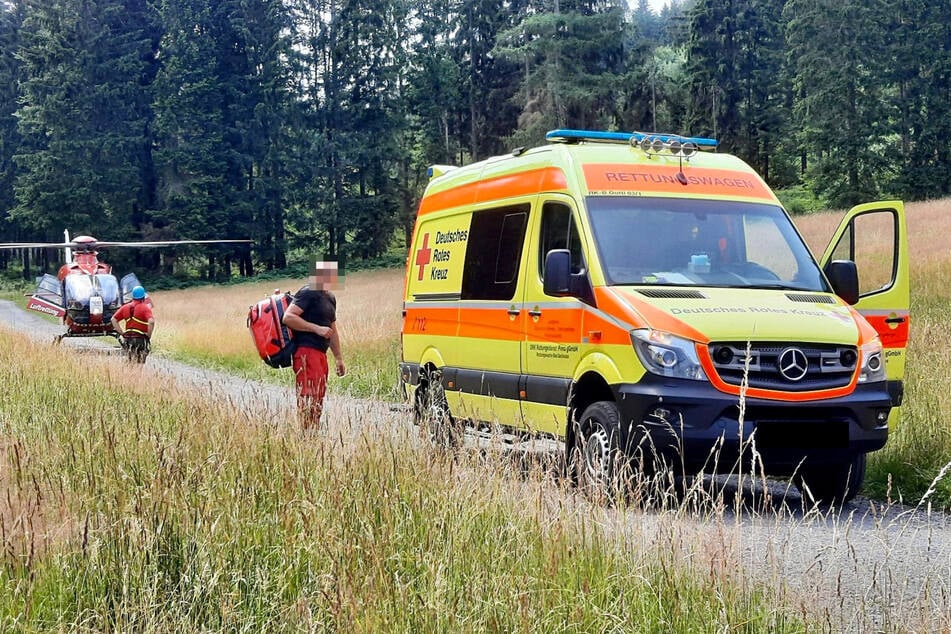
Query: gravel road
point(870, 567)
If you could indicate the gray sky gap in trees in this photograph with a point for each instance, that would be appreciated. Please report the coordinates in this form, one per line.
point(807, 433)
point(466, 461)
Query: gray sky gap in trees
point(655, 5)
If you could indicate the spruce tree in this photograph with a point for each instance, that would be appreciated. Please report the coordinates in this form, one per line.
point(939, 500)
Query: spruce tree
point(11, 22)
point(351, 56)
point(838, 53)
point(83, 162)
point(921, 46)
point(192, 143)
point(571, 57)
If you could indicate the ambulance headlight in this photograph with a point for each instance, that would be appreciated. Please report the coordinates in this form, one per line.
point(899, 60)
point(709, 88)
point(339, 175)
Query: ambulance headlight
point(873, 362)
point(667, 355)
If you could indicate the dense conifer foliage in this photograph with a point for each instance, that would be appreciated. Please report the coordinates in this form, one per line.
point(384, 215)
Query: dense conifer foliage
point(309, 124)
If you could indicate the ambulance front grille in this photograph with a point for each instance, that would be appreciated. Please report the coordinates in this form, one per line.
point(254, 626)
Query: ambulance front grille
point(783, 366)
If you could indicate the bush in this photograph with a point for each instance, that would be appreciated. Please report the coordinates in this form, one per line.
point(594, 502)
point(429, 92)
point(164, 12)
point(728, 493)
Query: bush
point(800, 200)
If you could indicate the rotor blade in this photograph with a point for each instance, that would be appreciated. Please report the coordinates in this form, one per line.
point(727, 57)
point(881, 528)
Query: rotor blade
point(169, 243)
point(37, 245)
point(97, 244)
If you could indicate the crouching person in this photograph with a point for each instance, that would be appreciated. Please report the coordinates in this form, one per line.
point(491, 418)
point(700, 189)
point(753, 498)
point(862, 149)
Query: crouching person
point(134, 323)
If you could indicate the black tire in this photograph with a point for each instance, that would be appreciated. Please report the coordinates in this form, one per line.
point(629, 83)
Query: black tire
point(431, 412)
point(596, 459)
point(828, 484)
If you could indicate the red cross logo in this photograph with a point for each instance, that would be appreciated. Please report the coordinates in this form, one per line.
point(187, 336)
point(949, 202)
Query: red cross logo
point(423, 256)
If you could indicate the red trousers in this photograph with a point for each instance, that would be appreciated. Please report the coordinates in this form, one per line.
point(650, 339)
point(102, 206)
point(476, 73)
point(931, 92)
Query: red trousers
point(310, 369)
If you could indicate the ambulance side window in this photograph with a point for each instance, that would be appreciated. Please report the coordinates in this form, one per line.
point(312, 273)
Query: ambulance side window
point(559, 232)
point(494, 252)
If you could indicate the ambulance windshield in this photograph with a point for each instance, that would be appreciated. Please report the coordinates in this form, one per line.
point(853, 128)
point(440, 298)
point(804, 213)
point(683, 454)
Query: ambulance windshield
point(691, 242)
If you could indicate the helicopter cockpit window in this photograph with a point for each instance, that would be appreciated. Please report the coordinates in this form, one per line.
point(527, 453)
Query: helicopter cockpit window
point(79, 288)
point(126, 284)
point(108, 288)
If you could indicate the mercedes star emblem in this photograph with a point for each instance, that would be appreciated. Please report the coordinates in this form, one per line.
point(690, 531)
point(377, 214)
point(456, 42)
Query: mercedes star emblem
point(793, 364)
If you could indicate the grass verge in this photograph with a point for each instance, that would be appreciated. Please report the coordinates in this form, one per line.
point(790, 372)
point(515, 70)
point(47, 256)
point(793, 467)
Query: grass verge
point(132, 506)
point(207, 326)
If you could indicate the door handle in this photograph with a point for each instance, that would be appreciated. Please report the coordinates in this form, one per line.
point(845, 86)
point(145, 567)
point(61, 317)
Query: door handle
point(535, 312)
point(894, 320)
point(514, 312)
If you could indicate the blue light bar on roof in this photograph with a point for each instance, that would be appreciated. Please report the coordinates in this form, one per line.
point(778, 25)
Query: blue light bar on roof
point(435, 171)
point(573, 136)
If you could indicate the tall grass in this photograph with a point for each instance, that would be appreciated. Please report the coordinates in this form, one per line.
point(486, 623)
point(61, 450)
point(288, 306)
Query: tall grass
point(126, 505)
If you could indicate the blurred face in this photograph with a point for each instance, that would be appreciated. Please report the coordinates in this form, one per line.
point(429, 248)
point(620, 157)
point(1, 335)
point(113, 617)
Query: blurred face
point(325, 276)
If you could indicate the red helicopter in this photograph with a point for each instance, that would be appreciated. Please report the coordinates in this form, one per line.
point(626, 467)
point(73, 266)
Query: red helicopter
point(84, 293)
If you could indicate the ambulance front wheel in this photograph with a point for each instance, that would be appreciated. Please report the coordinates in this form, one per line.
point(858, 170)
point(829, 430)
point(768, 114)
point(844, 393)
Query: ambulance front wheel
point(431, 412)
point(597, 462)
point(827, 484)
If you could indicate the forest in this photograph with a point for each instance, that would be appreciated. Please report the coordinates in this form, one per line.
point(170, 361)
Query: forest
point(309, 125)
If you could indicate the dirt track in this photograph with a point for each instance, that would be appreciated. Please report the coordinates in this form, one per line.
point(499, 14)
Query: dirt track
point(869, 568)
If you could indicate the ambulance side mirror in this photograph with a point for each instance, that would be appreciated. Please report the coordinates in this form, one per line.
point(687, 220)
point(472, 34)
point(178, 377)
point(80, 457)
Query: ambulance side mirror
point(558, 273)
point(844, 277)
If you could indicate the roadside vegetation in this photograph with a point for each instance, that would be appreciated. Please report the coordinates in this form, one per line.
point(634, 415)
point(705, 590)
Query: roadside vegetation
point(131, 506)
point(208, 325)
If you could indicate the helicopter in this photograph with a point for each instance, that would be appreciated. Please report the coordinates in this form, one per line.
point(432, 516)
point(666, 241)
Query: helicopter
point(85, 293)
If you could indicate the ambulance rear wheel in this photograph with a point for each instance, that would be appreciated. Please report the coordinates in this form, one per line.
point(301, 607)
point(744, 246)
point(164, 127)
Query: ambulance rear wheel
point(431, 412)
point(828, 484)
point(596, 460)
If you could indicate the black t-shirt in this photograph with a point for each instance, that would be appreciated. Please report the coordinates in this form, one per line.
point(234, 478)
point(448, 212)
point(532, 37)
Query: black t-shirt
point(317, 307)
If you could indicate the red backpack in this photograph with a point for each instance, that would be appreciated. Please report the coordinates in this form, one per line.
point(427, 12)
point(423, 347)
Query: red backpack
point(272, 339)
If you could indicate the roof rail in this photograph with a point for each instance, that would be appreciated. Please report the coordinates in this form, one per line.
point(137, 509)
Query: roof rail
point(577, 136)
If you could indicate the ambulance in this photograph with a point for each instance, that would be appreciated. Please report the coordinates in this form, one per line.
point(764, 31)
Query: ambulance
point(647, 301)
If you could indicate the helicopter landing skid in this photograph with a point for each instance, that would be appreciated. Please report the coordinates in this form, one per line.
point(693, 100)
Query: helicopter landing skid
point(59, 338)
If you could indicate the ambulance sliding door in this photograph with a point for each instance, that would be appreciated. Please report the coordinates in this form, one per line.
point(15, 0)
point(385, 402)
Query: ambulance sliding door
point(484, 384)
point(551, 348)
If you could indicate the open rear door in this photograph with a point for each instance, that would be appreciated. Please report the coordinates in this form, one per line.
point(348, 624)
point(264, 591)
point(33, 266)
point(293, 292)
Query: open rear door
point(126, 284)
point(48, 296)
point(874, 236)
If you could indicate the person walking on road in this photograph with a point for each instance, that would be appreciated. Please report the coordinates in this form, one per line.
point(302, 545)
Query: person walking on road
point(313, 318)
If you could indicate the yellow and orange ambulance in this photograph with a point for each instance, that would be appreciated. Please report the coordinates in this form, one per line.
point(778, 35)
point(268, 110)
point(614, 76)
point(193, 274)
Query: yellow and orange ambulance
point(642, 297)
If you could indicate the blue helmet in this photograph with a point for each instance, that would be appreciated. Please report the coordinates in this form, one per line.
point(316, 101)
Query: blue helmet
point(138, 293)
